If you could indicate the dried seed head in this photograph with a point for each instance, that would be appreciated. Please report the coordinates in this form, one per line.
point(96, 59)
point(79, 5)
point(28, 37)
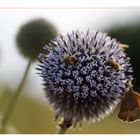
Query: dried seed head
point(85, 75)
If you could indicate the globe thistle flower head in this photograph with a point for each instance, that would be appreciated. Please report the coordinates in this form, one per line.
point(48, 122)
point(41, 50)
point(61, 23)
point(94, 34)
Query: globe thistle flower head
point(33, 35)
point(84, 75)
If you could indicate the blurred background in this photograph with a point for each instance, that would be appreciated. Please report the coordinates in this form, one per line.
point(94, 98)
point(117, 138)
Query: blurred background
point(32, 114)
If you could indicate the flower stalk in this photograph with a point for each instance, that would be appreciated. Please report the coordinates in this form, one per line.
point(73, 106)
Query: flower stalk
point(11, 106)
point(61, 130)
point(64, 125)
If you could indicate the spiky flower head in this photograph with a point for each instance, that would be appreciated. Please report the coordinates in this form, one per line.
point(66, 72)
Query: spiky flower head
point(84, 75)
point(33, 35)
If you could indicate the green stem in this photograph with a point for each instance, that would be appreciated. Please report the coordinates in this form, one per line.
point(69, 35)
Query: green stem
point(64, 125)
point(14, 99)
point(61, 130)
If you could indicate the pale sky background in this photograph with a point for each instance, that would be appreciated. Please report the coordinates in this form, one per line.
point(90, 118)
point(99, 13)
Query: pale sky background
point(12, 64)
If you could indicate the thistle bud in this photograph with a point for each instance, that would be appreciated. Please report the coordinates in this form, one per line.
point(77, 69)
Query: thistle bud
point(33, 36)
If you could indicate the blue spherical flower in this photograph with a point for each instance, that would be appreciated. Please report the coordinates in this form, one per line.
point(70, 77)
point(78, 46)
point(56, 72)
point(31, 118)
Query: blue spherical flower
point(84, 75)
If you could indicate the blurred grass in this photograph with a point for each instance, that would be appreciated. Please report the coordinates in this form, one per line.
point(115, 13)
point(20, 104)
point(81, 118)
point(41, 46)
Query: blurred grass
point(34, 117)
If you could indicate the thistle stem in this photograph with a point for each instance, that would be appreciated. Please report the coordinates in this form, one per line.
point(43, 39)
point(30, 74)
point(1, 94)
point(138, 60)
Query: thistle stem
point(14, 99)
point(64, 125)
point(61, 130)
